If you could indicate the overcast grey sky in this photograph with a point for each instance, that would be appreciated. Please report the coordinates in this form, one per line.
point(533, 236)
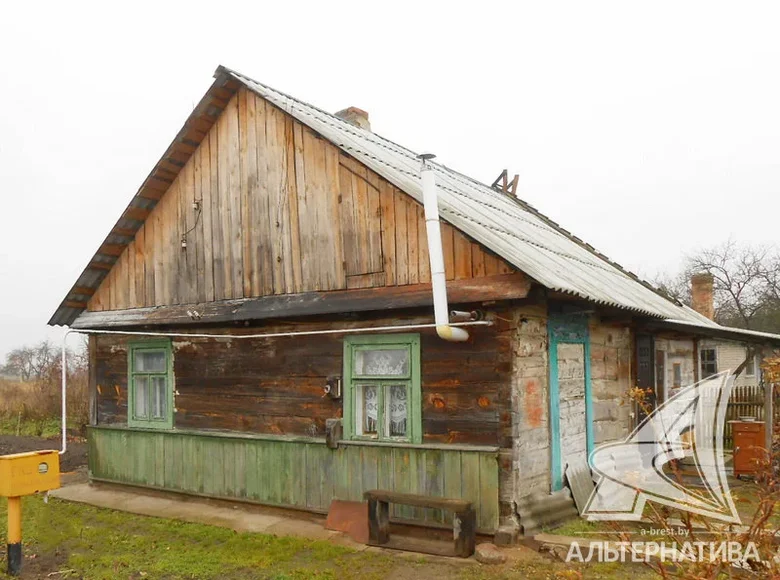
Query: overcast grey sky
point(647, 129)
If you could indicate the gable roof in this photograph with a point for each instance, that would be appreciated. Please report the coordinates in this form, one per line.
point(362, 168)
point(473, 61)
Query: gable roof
point(509, 227)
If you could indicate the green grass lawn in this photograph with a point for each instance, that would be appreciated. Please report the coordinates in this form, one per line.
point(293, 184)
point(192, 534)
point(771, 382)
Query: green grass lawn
point(85, 542)
point(13, 425)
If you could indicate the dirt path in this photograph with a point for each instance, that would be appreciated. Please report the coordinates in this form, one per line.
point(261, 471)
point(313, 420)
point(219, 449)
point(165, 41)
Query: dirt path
point(74, 458)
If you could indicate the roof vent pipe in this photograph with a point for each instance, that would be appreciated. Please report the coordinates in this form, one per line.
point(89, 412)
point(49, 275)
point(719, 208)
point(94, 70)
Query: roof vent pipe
point(436, 255)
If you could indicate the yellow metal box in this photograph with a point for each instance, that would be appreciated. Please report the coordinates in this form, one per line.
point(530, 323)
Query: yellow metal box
point(28, 473)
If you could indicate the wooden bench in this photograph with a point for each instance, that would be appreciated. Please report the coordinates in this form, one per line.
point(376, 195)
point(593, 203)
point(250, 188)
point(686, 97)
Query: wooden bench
point(464, 521)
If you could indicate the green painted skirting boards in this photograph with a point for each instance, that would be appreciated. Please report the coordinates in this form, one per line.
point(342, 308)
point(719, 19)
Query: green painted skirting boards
point(298, 474)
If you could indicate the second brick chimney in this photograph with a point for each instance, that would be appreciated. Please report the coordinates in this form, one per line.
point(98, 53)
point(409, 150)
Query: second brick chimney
point(355, 116)
point(702, 298)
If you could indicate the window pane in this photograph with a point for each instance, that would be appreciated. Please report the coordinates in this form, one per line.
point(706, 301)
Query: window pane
point(382, 362)
point(141, 393)
point(369, 406)
point(750, 369)
point(159, 399)
point(396, 411)
point(150, 361)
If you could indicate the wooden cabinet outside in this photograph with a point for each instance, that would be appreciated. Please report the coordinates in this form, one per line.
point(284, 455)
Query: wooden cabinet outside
point(748, 446)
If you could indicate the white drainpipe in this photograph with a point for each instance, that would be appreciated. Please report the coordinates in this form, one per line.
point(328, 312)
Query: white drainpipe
point(438, 279)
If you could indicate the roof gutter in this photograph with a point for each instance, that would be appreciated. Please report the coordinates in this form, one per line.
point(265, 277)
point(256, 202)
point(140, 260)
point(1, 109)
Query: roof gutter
point(436, 255)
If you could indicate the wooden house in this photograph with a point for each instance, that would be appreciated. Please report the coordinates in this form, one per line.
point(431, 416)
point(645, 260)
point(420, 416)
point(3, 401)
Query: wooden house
point(270, 218)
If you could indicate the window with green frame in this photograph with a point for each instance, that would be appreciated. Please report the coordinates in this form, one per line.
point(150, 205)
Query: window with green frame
point(150, 384)
point(382, 388)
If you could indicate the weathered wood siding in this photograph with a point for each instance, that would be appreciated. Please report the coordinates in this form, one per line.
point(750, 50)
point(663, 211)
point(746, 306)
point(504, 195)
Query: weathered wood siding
point(283, 211)
point(302, 474)
point(611, 347)
point(275, 385)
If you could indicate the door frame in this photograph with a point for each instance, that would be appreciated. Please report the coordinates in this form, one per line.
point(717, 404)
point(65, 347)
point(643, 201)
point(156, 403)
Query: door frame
point(567, 328)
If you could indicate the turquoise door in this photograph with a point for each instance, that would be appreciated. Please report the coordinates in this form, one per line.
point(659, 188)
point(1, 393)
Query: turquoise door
point(571, 402)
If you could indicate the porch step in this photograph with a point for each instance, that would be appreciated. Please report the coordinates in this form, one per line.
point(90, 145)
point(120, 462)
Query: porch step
point(541, 510)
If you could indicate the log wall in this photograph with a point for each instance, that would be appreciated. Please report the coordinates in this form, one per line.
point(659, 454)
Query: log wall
point(274, 386)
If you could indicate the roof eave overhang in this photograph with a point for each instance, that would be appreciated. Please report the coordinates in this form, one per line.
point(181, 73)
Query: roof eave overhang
point(192, 133)
point(717, 331)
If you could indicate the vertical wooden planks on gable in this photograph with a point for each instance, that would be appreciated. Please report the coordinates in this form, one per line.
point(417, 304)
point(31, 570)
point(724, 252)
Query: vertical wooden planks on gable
point(109, 286)
point(188, 274)
point(207, 217)
point(278, 224)
point(196, 235)
point(304, 238)
point(477, 261)
point(219, 210)
point(349, 225)
point(504, 268)
point(224, 289)
point(491, 263)
point(318, 214)
point(423, 259)
point(160, 291)
point(283, 131)
point(448, 248)
point(329, 234)
point(247, 147)
point(123, 280)
point(129, 256)
point(349, 221)
point(401, 238)
point(231, 114)
point(361, 249)
point(149, 262)
point(292, 199)
point(462, 256)
point(140, 267)
point(374, 224)
point(172, 240)
point(262, 256)
point(413, 237)
point(387, 203)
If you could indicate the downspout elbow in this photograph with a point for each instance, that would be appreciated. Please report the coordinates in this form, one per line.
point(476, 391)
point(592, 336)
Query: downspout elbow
point(452, 333)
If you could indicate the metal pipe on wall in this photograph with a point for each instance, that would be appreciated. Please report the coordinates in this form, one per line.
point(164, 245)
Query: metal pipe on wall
point(441, 311)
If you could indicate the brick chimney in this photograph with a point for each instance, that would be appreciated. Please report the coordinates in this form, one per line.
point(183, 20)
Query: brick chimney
point(702, 294)
point(356, 117)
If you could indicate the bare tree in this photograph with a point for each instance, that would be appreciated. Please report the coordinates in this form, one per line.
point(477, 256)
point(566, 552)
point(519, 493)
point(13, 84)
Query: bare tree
point(747, 283)
point(32, 362)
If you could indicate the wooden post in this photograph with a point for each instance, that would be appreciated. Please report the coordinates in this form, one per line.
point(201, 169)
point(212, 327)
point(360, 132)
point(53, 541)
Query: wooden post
point(14, 536)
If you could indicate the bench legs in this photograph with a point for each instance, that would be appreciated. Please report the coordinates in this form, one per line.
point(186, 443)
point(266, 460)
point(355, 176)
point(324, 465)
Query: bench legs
point(464, 532)
point(378, 521)
point(464, 527)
